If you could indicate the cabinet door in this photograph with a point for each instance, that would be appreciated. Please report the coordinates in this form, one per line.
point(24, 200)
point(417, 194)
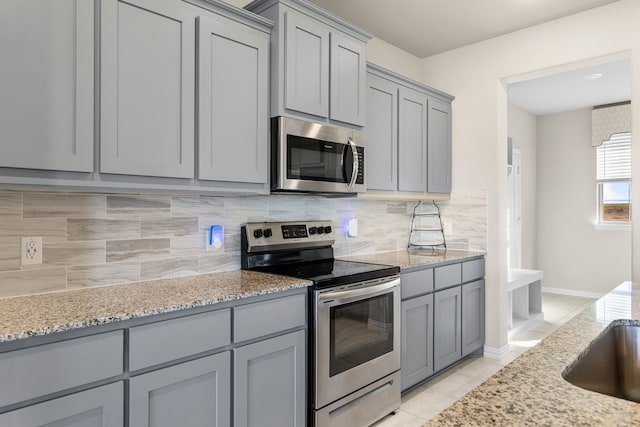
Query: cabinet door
point(147, 92)
point(472, 316)
point(192, 394)
point(98, 407)
point(447, 328)
point(417, 340)
point(46, 82)
point(233, 117)
point(412, 141)
point(439, 147)
point(347, 79)
point(306, 69)
point(382, 134)
point(270, 382)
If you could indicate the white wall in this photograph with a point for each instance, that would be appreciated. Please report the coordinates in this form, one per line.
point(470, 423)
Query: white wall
point(572, 253)
point(392, 58)
point(522, 127)
point(476, 74)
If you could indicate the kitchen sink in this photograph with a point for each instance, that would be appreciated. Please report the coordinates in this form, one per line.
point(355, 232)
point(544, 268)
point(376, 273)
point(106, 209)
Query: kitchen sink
point(611, 365)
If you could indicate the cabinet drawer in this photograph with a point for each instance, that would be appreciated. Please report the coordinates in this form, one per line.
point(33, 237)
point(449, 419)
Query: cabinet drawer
point(447, 275)
point(38, 371)
point(171, 339)
point(417, 283)
point(472, 270)
point(267, 317)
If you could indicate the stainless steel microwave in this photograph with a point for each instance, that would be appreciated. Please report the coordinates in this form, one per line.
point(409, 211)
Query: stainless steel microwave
point(315, 158)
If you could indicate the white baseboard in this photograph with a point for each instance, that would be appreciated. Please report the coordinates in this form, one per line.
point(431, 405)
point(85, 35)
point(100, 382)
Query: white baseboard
point(573, 292)
point(496, 353)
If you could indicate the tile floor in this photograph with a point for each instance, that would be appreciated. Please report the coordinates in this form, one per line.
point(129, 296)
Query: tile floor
point(431, 398)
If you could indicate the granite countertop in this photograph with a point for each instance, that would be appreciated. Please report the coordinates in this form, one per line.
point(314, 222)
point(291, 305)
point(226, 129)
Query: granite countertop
point(530, 391)
point(43, 314)
point(408, 260)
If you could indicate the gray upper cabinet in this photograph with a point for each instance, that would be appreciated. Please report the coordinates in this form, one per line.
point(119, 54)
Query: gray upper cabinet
point(408, 134)
point(46, 82)
point(348, 67)
point(147, 88)
point(98, 407)
point(233, 116)
point(382, 134)
point(191, 394)
point(318, 63)
point(439, 147)
point(306, 65)
point(472, 316)
point(412, 140)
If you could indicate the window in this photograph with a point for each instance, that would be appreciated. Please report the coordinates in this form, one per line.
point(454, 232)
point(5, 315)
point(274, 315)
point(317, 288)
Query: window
point(614, 179)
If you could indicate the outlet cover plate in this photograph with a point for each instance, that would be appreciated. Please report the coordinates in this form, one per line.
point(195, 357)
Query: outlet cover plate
point(31, 250)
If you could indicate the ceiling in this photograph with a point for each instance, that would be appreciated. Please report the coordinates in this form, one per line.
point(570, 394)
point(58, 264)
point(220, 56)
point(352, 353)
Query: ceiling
point(570, 90)
point(429, 27)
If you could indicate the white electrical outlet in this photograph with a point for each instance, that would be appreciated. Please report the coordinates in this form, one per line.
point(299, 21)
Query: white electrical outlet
point(31, 250)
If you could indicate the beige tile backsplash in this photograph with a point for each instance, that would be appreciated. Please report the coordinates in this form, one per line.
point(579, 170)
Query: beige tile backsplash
point(104, 239)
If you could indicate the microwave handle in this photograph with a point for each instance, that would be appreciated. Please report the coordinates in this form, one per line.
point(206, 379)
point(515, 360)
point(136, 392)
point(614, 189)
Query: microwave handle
point(356, 166)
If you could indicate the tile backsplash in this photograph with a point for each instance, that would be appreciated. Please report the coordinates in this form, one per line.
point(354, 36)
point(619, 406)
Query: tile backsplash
point(104, 239)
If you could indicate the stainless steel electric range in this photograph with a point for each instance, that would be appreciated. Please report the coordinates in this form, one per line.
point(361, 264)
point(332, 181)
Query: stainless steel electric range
point(354, 320)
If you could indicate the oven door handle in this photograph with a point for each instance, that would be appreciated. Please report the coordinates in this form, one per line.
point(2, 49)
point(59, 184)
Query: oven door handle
point(344, 296)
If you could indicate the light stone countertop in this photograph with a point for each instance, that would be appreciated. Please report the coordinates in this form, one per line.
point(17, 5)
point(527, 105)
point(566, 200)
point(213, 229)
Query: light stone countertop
point(530, 391)
point(414, 259)
point(48, 313)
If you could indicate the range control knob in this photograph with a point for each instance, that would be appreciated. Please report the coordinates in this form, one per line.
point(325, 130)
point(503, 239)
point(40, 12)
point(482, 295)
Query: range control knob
point(321, 230)
point(327, 229)
point(312, 230)
point(267, 232)
point(257, 233)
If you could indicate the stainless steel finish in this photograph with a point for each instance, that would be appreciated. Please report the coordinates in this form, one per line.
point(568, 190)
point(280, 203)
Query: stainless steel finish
point(328, 388)
point(349, 293)
point(290, 126)
point(277, 241)
point(364, 406)
point(611, 365)
point(354, 172)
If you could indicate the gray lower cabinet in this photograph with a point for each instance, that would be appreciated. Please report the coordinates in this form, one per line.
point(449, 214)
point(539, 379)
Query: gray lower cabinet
point(270, 382)
point(442, 317)
point(46, 82)
point(417, 340)
point(472, 316)
point(98, 407)
point(191, 394)
point(447, 335)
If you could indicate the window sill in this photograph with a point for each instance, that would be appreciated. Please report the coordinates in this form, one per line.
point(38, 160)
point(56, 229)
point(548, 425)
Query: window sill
point(613, 227)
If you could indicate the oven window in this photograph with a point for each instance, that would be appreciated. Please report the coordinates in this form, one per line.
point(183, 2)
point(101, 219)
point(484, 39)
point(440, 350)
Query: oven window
point(360, 331)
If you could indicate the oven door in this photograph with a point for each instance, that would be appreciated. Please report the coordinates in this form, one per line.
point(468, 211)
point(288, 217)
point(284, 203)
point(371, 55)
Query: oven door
point(357, 338)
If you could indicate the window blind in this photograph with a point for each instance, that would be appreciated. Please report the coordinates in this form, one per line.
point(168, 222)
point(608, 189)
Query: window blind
point(614, 158)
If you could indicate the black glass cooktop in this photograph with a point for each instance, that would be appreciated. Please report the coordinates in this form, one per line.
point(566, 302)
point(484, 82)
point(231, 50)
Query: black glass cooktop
point(334, 272)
